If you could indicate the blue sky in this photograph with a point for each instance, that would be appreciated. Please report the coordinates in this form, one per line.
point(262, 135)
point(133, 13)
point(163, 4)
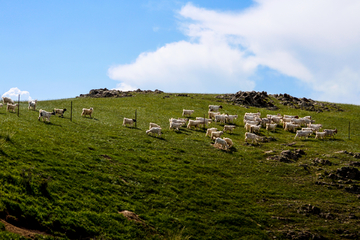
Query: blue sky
point(60, 49)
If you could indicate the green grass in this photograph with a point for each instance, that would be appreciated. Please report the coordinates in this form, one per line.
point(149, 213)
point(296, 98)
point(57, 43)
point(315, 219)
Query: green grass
point(72, 178)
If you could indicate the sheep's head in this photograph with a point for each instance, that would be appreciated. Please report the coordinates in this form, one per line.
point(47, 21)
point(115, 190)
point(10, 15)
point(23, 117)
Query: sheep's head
point(64, 109)
point(134, 120)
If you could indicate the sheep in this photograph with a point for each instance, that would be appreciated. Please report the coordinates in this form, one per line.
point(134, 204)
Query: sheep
point(155, 130)
point(301, 133)
point(222, 143)
point(214, 108)
point(330, 132)
point(187, 112)
point(265, 121)
point(321, 135)
point(276, 119)
point(194, 123)
point(298, 121)
point(247, 126)
point(229, 128)
point(271, 126)
point(216, 134)
point(251, 123)
point(251, 118)
point(209, 131)
point(151, 125)
point(206, 120)
point(44, 114)
point(212, 114)
point(308, 129)
point(32, 104)
point(1, 105)
point(308, 120)
point(86, 111)
point(174, 125)
point(229, 142)
point(291, 127)
point(271, 116)
point(7, 100)
point(255, 128)
point(221, 118)
point(128, 121)
point(258, 114)
point(252, 136)
point(231, 118)
point(11, 107)
point(291, 116)
point(314, 127)
point(60, 111)
point(182, 121)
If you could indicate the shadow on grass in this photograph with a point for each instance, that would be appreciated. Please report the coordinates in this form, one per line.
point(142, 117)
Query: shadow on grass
point(157, 137)
point(52, 124)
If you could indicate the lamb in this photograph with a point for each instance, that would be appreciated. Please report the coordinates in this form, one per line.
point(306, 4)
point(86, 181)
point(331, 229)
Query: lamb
point(330, 132)
point(151, 125)
point(128, 121)
point(222, 143)
point(32, 104)
point(7, 100)
point(187, 112)
point(45, 115)
point(209, 131)
point(229, 128)
point(291, 127)
point(60, 111)
point(194, 123)
point(301, 133)
point(214, 108)
point(86, 111)
point(174, 125)
point(229, 142)
point(216, 134)
point(252, 136)
point(11, 107)
point(154, 130)
point(213, 114)
point(321, 135)
point(271, 126)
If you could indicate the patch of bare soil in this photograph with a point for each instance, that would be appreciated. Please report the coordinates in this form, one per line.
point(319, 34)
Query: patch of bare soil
point(22, 231)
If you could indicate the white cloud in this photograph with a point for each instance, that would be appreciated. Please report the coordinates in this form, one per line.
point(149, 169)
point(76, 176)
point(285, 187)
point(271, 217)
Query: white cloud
point(316, 42)
point(14, 93)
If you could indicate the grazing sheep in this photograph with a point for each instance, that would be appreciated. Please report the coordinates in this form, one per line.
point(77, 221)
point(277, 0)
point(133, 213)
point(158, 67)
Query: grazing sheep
point(86, 111)
point(60, 111)
point(32, 104)
point(216, 134)
point(254, 128)
point(276, 120)
point(151, 125)
point(222, 143)
point(231, 118)
point(45, 115)
point(251, 118)
point(128, 121)
point(229, 128)
point(229, 142)
point(252, 136)
point(154, 130)
point(221, 118)
point(174, 125)
point(209, 131)
point(315, 127)
point(291, 127)
point(301, 133)
point(271, 127)
point(194, 123)
point(265, 121)
point(182, 120)
point(214, 108)
point(330, 132)
point(7, 100)
point(11, 107)
point(206, 120)
point(213, 114)
point(321, 135)
point(187, 112)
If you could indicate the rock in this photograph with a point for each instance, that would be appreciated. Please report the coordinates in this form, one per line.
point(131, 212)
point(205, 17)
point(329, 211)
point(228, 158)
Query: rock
point(348, 173)
point(253, 98)
point(106, 93)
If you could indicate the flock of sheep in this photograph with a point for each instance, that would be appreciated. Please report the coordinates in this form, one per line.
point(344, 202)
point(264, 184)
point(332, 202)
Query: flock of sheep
point(252, 123)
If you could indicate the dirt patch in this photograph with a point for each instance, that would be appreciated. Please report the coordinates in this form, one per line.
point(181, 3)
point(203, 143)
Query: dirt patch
point(288, 156)
point(132, 217)
point(22, 231)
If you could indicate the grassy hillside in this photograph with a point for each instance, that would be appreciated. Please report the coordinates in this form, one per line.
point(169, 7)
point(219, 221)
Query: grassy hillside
point(70, 179)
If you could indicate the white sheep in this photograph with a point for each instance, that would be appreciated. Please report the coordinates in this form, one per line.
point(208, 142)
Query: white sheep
point(60, 111)
point(251, 118)
point(271, 126)
point(151, 125)
point(231, 118)
point(32, 104)
point(330, 132)
point(11, 107)
point(315, 127)
point(221, 118)
point(255, 128)
point(129, 121)
point(265, 121)
point(321, 135)
point(187, 112)
point(206, 120)
point(86, 111)
point(216, 134)
point(291, 127)
point(45, 115)
point(182, 121)
point(154, 130)
point(228, 141)
point(301, 133)
point(209, 131)
point(213, 114)
point(174, 125)
point(194, 123)
point(1, 105)
point(222, 143)
point(7, 100)
point(252, 136)
point(214, 108)
point(229, 128)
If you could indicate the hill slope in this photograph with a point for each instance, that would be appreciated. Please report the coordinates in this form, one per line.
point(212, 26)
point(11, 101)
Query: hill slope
point(72, 179)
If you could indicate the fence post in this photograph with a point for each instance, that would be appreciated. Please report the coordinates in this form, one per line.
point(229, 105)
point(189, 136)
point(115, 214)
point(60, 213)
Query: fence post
point(135, 118)
point(71, 112)
point(18, 105)
point(204, 122)
point(349, 130)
